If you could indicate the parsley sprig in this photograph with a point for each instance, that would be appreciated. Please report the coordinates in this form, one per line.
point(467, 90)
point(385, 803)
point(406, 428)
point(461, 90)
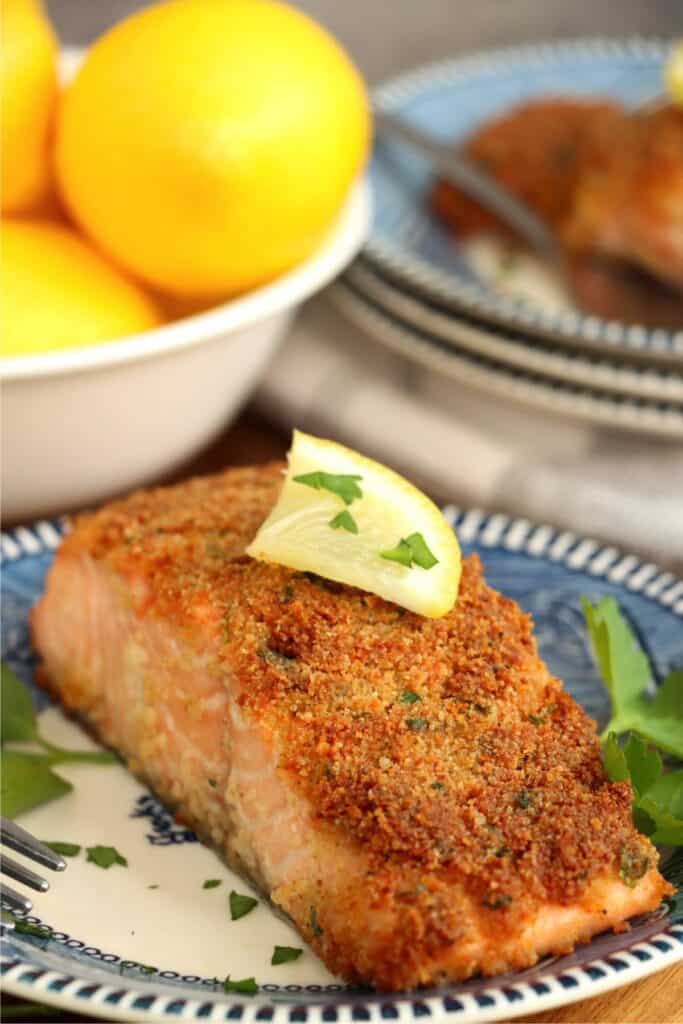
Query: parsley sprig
point(626, 672)
point(27, 776)
point(658, 721)
point(410, 551)
point(343, 485)
point(344, 521)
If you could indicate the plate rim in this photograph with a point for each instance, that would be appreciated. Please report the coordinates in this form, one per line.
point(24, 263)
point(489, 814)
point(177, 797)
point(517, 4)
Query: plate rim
point(533, 389)
point(514, 350)
point(572, 328)
point(538, 541)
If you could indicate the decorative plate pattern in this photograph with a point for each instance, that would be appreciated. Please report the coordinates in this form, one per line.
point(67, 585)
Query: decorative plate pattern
point(533, 389)
point(546, 572)
point(524, 353)
point(448, 100)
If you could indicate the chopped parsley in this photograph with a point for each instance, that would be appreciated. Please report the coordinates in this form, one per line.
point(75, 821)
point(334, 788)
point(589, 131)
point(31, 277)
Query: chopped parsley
point(105, 856)
point(41, 931)
point(633, 864)
point(525, 799)
point(344, 521)
point(211, 883)
point(313, 923)
point(285, 955)
point(410, 551)
point(240, 905)
point(542, 717)
point(417, 723)
point(64, 849)
point(343, 485)
point(409, 697)
point(245, 986)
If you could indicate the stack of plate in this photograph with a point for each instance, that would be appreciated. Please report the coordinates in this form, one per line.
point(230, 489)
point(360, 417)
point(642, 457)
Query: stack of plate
point(463, 309)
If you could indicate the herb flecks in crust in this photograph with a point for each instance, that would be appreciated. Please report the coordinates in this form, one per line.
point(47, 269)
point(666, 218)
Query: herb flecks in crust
point(336, 710)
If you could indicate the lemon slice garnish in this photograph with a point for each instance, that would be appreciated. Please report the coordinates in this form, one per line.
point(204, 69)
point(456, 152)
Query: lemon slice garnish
point(348, 518)
point(673, 74)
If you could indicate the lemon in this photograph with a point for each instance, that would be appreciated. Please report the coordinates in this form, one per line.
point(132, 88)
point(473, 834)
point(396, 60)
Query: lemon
point(57, 292)
point(29, 92)
point(350, 519)
point(207, 145)
point(673, 74)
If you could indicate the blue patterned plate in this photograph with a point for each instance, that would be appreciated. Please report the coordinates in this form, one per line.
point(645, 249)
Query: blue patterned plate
point(449, 100)
point(148, 942)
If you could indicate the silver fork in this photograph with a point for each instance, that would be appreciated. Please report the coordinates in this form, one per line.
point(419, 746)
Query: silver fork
point(21, 841)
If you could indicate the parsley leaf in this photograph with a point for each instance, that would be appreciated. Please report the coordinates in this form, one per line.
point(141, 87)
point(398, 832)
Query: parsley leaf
point(644, 765)
point(211, 883)
point(417, 723)
point(240, 905)
point(626, 673)
point(409, 697)
point(401, 554)
point(345, 521)
point(17, 717)
point(657, 798)
point(27, 782)
point(343, 485)
point(409, 551)
point(422, 556)
point(313, 923)
point(245, 987)
point(42, 931)
point(285, 955)
point(27, 778)
point(64, 849)
point(105, 856)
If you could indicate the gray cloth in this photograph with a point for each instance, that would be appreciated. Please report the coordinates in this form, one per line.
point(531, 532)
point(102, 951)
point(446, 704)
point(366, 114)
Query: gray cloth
point(470, 448)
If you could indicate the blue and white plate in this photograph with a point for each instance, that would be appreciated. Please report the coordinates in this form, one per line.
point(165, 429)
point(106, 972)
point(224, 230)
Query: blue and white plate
point(448, 100)
point(512, 350)
point(148, 942)
point(475, 367)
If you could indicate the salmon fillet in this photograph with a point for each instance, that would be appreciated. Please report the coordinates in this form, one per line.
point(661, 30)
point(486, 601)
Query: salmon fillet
point(418, 795)
point(608, 182)
point(534, 151)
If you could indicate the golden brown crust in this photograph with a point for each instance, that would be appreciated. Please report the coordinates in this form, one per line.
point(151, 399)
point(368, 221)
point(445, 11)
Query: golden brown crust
point(534, 151)
point(491, 781)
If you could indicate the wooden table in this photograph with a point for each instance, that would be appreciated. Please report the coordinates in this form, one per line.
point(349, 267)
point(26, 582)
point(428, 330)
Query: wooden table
point(656, 1000)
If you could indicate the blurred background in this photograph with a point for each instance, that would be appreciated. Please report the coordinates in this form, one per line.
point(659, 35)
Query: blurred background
point(388, 36)
point(481, 412)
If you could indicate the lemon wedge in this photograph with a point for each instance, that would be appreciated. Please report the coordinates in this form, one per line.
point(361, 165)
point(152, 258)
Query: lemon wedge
point(673, 74)
point(350, 519)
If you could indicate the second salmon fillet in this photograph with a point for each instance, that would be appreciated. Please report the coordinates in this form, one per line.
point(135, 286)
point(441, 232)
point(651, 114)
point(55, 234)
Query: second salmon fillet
point(418, 795)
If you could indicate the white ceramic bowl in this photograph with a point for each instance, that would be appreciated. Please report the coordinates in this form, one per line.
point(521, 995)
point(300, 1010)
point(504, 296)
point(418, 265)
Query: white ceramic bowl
point(83, 424)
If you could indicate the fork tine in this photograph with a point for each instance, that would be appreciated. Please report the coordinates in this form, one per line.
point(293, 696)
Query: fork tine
point(19, 839)
point(22, 874)
point(14, 900)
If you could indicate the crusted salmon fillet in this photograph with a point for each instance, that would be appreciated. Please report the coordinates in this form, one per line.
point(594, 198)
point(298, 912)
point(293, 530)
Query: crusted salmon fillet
point(418, 795)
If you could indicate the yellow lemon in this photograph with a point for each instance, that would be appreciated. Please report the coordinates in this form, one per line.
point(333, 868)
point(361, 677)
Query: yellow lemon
point(350, 519)
point(673, 73)
point(206, 145)
point(29, 91)
point(58, 292)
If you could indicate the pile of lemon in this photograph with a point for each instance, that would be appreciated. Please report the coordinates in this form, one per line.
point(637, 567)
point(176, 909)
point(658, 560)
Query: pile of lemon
point(202, 148)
